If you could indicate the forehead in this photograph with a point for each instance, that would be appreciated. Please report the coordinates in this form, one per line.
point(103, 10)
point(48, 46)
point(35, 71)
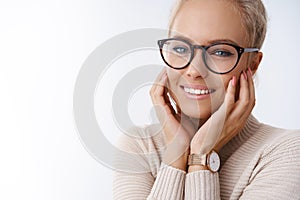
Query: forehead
point(209, 20)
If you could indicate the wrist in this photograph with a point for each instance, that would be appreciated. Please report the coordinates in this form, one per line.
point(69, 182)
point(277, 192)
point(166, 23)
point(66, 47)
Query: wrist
point(193, 168)
point(197, 149)
point(209, 161)
point(179, 163)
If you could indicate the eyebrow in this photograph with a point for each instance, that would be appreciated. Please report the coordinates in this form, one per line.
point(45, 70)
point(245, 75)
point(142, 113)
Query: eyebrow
point(207, 42)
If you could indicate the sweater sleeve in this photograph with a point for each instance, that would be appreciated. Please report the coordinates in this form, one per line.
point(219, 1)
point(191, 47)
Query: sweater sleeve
point(277, 175)
point(169, 184)
point(202, 185)
point(143, 176)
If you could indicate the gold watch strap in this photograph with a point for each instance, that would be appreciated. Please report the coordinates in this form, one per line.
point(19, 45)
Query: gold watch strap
point(197, 159)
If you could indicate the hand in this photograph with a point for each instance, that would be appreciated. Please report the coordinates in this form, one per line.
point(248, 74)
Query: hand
point(177, 128)
point(229, 119)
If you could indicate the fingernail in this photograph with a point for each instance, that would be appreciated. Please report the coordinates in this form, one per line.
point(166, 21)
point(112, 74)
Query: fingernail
point(245, 75)
point(250, 71)
point(233, 81)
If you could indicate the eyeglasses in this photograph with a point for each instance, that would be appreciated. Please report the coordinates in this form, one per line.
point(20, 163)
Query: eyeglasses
point(219, 58)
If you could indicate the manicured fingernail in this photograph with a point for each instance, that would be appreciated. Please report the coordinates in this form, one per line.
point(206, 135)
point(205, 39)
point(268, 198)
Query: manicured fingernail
point(245, 75)
point(250, 71)
point(233, 81)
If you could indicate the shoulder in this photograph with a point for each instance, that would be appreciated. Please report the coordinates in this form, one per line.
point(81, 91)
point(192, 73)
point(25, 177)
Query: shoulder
point(140, 149)
point(279, 145)
point(278, 162)
point(139, 138)
point(259, 139)
point(274, 137)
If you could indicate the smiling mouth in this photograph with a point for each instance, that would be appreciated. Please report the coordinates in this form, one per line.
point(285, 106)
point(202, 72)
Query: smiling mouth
point(195, 91)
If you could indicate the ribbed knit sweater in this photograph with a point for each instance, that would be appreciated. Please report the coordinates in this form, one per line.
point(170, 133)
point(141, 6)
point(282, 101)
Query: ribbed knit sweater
point(261, 162)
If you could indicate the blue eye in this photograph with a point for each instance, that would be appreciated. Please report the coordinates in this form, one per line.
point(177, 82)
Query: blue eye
point(222, 53)
point(180, 50)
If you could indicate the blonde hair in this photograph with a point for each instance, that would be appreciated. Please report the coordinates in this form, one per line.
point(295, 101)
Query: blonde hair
point(252, 13)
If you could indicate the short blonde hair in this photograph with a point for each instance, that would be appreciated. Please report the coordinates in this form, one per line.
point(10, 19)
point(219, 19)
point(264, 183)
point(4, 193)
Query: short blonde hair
point(252, 13)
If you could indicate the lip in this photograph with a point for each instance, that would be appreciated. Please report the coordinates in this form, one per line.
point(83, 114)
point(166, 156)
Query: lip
point(197, 87)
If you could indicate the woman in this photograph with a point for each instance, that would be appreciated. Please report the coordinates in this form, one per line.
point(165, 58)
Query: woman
point(208, 145)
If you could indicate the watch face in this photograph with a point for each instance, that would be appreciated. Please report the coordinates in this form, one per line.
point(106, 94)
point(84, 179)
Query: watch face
point(214, 161)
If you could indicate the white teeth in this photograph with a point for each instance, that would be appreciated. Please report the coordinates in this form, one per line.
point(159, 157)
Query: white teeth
point(196, 91)
point(187, 90)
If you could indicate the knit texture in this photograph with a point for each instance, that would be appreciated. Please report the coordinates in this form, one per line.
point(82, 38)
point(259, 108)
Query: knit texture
point(261, 162)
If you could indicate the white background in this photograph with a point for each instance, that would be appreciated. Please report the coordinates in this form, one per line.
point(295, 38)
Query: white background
point(42, 47)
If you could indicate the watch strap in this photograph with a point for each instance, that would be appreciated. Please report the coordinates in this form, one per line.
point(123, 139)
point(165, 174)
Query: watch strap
point(197, 159)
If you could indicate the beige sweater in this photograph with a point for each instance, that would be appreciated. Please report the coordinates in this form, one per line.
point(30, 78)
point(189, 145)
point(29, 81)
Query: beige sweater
point(261, 162)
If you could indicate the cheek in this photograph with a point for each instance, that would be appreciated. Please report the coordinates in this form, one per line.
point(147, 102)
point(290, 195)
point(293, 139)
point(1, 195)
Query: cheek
point(173, 77)
point(228, 78)
point(237, 73)
point(242, 65)
point(172, 73)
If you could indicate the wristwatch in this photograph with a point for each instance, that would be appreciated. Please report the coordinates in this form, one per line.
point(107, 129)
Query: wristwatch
point(211, 160)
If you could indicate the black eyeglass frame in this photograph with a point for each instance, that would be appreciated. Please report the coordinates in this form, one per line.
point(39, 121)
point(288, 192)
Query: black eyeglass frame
point(240, 51)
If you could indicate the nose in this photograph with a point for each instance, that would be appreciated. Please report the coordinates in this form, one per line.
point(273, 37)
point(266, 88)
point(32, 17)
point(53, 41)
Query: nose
point(197, 68)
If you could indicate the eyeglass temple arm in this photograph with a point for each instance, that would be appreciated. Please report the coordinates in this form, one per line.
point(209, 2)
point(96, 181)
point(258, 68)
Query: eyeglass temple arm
point(251, 49)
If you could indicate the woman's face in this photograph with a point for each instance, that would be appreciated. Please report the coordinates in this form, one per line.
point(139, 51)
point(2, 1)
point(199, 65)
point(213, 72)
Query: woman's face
point(204, 22)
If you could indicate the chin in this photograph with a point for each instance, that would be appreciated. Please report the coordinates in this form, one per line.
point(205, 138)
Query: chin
point(196, 112)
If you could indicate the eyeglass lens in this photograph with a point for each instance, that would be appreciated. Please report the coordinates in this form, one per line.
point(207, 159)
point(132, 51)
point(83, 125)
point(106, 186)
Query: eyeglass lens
point(219, 58)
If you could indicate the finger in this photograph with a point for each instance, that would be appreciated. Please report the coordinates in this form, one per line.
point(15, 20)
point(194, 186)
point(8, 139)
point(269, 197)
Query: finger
point(160, 82)
point(160, 75)
point(244, 88)
point(251, 87)
point(160, 99)
point(229, 100)
point(249, 100)
point(243, 102)
point(168, 101)
point(158, 91)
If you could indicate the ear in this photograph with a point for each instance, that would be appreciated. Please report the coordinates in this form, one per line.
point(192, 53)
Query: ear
point(256, 61)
